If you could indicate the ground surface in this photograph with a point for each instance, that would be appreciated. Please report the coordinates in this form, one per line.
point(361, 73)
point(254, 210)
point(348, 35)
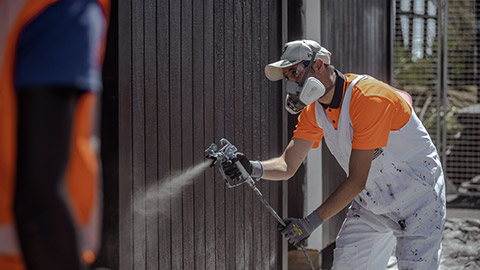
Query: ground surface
point(461, 237)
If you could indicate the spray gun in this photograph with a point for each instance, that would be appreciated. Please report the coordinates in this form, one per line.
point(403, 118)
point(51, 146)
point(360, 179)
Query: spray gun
point(225, 155)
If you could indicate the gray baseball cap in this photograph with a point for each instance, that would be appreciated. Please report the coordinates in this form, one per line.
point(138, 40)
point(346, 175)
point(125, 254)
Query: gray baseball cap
point(293, 53)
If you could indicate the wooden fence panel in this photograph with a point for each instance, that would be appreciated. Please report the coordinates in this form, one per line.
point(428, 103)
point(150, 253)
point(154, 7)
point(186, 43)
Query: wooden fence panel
point(358, 35)
point(191, 72)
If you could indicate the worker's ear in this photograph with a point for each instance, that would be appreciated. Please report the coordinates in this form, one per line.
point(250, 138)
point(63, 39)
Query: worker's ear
point(318, 65)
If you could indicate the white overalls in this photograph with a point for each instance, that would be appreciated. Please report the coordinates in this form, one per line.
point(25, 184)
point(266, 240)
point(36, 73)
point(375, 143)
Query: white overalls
point(403, 200)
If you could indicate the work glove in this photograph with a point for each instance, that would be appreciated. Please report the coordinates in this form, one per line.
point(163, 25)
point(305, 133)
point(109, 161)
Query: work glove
point(254, 168)
point(299, 229)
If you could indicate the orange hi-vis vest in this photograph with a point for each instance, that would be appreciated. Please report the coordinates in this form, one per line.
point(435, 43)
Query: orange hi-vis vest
point(82, 171)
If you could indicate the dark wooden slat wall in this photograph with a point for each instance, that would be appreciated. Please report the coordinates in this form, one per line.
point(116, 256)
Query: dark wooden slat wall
point(190, 73)
point(357, 33)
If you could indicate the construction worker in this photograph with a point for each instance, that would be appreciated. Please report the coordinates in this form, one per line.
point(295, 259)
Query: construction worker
point(394, 184)
point(51, 57)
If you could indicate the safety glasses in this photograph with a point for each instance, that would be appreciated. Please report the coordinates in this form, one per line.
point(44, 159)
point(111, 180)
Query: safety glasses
point(293, 73)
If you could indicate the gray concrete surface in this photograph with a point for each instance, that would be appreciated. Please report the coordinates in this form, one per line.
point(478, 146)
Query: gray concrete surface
point(463, 213)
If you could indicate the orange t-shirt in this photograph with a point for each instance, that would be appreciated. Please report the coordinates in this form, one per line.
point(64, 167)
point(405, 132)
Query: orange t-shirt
point(375, 110)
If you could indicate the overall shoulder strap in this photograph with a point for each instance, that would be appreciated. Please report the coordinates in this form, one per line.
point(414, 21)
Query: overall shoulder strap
point(348, 93)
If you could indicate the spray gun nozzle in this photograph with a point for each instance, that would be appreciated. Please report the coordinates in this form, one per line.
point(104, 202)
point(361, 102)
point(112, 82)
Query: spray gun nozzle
point(211, 154)
point(213, 158)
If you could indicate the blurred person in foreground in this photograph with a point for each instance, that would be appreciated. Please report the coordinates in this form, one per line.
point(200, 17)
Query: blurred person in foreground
point(51, 59)
point(394, 184)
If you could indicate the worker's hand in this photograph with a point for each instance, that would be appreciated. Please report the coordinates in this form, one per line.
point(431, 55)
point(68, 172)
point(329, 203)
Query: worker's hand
point(299, 229)
point(254, 168)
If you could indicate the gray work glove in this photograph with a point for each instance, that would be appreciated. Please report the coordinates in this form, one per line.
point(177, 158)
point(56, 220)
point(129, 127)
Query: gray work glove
point(254, 168)
point(299, 229)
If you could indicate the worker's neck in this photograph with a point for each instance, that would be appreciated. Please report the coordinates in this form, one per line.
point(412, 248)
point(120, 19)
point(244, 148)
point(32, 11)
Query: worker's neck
point(328, 97)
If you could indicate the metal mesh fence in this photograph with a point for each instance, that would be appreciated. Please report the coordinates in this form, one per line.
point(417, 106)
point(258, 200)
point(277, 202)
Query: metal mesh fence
point(442, 75)
point(417, 59)
point(463, 110)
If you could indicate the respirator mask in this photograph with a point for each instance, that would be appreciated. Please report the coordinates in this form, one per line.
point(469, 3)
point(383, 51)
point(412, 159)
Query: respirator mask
point(304, 93)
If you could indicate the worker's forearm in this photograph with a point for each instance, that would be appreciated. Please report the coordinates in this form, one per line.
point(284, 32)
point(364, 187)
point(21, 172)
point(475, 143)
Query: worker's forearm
point(359, 167)
point(276, 169)
point(342, 196)
point(285, 166)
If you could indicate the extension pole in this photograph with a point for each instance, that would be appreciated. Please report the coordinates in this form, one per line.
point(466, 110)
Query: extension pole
point(259, 194)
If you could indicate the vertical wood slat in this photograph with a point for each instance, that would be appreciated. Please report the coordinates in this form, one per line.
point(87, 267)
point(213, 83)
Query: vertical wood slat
point(176, 215)
point(138, 143)
point(125, 136)
point(186, 82)
point(163, 111)
point(256, 127)
point(239, 130)
point(247, 232)
point(209, 124)
point(275, 146)
point(264, 95)
point(229, 110)
point(198, 133)
point(151, 129)
point(219, 65)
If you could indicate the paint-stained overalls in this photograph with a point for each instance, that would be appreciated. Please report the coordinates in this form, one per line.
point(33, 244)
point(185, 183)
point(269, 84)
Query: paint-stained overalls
point(403, 200)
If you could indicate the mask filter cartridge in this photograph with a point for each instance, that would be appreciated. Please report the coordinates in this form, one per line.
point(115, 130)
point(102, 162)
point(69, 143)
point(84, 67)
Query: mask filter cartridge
point(300, 97)
point(312, 90)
